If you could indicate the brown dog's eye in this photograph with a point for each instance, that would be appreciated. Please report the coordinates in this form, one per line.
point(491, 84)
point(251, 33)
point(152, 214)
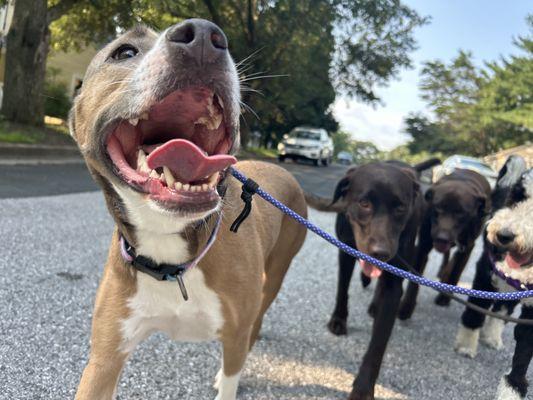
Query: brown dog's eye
point(124, 52)
point(364, 203)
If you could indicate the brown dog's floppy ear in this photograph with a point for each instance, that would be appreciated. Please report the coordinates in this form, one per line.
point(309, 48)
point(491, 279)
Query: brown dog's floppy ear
point(341, 189)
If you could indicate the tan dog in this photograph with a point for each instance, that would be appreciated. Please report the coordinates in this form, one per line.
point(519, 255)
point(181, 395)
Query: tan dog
point(155, 120)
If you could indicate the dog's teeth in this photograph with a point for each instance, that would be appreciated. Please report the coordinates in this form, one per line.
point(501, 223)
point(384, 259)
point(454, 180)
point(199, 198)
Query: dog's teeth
point(186, 186)
point(178, 186)
point(213, 179)
point(168, 177)
point(134, 121)
point(154, 174)
point(144, 116)
point(195, 188)
point(205, 187)
point(141, 162)
point(220, 101)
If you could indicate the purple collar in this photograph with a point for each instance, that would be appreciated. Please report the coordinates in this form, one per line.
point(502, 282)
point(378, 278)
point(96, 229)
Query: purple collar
point(515, 283)
point(166, 272)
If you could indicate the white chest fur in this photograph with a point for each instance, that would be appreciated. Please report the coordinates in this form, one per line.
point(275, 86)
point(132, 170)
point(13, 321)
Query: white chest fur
point(159, 306)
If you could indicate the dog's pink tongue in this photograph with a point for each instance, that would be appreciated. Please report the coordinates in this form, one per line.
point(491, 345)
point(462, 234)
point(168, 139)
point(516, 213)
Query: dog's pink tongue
point(515, 262)
point(187, 161)
point(370, 270)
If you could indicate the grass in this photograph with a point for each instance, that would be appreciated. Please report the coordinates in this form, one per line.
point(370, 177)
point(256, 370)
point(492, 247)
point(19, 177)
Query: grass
point(259, 152)
point(49, 134)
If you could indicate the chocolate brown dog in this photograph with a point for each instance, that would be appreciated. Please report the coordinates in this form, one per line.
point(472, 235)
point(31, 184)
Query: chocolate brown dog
point(379, 207)
point(156, 120)
point(457, 206)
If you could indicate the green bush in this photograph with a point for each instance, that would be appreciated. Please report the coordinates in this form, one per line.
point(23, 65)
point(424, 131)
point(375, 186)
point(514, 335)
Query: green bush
point(57, 101)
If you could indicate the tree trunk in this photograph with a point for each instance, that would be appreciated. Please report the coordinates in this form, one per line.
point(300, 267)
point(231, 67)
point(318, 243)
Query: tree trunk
point(26, 51)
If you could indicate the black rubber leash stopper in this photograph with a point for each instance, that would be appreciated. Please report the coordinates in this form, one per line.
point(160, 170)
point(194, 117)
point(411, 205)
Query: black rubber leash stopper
point(249, 188)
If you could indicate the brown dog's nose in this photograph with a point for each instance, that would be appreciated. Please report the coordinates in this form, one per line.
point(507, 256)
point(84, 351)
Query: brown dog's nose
point(379, 252)
point(202, 39)
point(505, 236)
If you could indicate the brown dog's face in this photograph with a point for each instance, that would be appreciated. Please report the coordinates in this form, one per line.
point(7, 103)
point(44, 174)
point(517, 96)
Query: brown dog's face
point(158, 118)
point(379, 199)
point(455, 207)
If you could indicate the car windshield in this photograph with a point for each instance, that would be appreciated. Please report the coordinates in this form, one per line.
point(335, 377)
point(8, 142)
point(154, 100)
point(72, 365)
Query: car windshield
point(305, 135)
point(476, 164)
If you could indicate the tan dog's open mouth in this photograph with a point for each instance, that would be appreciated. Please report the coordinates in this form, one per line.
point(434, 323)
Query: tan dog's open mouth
point(176, 151)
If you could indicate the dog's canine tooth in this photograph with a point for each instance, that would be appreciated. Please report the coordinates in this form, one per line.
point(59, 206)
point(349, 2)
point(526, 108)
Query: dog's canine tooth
point(205, 187)
point(186, 186)
point(168, 176)
point(144, 116)
point(178, 186)
point(154, 174)
point(141, 162)
point(133, 121)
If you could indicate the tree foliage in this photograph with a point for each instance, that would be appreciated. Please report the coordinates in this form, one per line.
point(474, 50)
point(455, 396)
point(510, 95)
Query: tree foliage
point(361, 151)
point(476, 110)
point(315, 48)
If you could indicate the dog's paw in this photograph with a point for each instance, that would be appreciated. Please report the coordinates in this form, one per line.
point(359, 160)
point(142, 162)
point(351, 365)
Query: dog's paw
point(338, 326)
point(506, 391)
point(442, 300)
point(218, 378)
point(360, 396)
point(466, 341)
point(406, 311)
point(491, 333)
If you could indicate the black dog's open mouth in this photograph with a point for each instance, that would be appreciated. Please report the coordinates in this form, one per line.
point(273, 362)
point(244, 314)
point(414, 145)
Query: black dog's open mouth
point(177, 150)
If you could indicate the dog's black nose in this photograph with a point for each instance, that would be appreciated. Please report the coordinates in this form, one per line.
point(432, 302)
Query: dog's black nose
point(202, 39)
point(380, 253)
point(505, 236)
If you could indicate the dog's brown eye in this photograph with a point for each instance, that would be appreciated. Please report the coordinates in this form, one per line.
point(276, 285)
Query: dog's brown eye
point(363, 203)
point(124, 52)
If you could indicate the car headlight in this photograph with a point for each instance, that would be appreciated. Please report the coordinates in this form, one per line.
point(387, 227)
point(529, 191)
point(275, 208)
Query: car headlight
point(281, 146)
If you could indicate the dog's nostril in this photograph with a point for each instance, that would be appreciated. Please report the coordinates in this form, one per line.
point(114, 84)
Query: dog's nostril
point(505, 236)
point(219, 40)
point(182, 34)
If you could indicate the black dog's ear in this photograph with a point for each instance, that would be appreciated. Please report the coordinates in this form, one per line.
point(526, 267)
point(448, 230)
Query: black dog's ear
point(429, 195)
point(341, 189)
point(414, 179)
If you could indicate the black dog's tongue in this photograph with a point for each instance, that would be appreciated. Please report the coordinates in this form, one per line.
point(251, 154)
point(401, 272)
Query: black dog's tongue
point(187, 161)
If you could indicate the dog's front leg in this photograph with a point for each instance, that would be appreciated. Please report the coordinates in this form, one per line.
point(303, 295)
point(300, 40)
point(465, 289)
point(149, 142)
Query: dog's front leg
point(107, 356)
point(514, 385)
point(235, 346)
point(363, 386)
point(458, 263)
point(337, 324)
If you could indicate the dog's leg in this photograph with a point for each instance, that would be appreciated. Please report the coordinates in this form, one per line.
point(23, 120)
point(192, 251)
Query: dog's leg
point(458, 262)
point(491, 333)
point(513, 386)
point(235, 347)
point(363, 386)
point(100, 377)
point(337, 324)
point(425, 245)
point(466, 341)
point(374, 304)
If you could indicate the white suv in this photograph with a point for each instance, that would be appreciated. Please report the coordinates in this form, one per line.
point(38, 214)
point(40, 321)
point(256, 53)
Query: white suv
point(307, 143)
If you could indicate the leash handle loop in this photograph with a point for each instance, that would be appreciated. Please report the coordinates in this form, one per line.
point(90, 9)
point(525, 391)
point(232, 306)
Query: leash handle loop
point(249, 188)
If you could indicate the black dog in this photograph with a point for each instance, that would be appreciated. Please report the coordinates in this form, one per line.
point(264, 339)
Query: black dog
point(379, 208)
point(457, 206)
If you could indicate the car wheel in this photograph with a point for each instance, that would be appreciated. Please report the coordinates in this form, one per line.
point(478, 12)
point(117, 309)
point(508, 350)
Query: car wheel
point(326, 161)
point(281, 158)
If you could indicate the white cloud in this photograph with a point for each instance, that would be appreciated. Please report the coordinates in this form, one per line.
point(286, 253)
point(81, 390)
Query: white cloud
point(381, 126)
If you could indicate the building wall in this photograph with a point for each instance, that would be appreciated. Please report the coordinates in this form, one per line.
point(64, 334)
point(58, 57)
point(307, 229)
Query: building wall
point(72, 65)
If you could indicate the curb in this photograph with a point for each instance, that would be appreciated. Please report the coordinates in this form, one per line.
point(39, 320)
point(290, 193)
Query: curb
point(11, 151)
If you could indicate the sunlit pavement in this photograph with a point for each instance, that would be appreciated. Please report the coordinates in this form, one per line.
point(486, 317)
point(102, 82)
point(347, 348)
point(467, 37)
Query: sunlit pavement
point(51, 260)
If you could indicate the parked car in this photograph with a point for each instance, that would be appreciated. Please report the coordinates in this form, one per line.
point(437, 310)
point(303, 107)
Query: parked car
point(307, 143)
point(345, 158)
point(465, 162)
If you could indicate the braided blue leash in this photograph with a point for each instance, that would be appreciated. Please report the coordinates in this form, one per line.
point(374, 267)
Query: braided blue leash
point(420, 280)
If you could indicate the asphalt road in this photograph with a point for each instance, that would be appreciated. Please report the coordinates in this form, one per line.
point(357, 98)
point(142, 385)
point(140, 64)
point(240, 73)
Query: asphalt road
point(50, 264)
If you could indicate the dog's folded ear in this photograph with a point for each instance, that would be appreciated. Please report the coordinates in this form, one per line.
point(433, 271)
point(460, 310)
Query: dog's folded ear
point(414, 178)
point(484, 205)
point(341, 189)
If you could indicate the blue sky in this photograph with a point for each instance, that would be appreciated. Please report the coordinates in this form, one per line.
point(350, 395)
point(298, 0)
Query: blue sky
point(485, 27)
